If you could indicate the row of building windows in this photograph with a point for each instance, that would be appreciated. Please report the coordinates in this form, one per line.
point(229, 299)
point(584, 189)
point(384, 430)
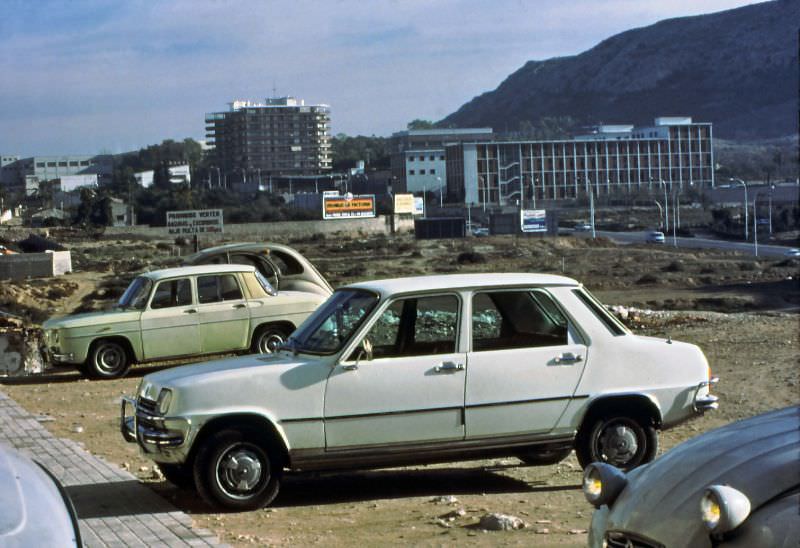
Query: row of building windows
point(63, 164)
point(422, 172)
point(431, 158)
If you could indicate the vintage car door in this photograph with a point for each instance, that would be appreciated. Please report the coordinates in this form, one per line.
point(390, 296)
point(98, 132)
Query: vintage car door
point(524, 364)
point(222, 313)
point(412, 390)
point(169, 323)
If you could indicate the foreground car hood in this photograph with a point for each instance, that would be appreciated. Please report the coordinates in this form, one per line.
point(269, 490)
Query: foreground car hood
point(92, 318)
point(33, 510)
point(757, 456)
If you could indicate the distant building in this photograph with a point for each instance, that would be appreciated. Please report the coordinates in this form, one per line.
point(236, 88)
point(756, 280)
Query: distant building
point(608, 159)
point(25, 174)
point(280, 137)
point(418, 160)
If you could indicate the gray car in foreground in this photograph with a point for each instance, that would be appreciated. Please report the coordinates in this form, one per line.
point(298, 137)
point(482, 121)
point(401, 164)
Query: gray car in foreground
point(34, 508)
point(738, 485)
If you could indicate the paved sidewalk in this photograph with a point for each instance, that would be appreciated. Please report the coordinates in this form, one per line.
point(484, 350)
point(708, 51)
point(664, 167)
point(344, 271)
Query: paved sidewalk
point(113, 508)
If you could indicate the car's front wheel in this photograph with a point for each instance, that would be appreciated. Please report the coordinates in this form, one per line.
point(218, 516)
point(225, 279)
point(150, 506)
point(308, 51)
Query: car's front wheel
point(267, 339)
point(108, 359)
point(236, 471)
point(622, 441)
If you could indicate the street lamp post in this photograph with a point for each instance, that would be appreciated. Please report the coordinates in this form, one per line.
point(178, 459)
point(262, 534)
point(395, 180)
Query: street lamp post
point(441, 189)
point(666, 205)
point(744, 186)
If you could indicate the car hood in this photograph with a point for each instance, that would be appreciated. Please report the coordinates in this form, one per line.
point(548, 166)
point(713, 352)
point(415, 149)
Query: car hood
point(757, 456)
point(92, 318)
point(27, 495)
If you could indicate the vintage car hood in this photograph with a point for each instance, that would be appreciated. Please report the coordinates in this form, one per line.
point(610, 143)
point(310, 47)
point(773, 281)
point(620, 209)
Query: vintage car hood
point(187, 375)
point(34, 512)
point(92, 318)
point(757, 456)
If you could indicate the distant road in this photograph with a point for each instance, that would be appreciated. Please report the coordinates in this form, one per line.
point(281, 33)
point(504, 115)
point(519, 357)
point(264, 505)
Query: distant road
point(746, 248)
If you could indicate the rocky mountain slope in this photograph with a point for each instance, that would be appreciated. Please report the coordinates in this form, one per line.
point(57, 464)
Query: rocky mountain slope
point(737, 69)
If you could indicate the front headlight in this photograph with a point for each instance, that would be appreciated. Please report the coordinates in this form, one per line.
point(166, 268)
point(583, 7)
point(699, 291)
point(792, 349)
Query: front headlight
point(723, 508)
point(163, 401)
point(602, 483)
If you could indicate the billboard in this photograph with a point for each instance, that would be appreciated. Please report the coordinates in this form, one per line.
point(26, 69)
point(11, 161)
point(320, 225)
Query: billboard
point(404, 203)
point(348, 206)
point(533, 220)
point(419, 205)
point(198, 221)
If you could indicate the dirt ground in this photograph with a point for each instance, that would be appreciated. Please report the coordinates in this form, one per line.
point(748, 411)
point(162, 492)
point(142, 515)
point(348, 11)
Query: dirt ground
point(741, 311)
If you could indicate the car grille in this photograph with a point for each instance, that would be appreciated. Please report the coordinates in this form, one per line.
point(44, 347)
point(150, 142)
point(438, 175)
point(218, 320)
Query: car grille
point(615, 539)
point(145, 408)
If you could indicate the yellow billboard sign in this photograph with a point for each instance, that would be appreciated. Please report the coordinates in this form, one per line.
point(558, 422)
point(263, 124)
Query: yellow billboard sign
point(348, 206)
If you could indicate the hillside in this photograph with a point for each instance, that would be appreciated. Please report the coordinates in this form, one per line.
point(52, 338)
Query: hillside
point(737, 69)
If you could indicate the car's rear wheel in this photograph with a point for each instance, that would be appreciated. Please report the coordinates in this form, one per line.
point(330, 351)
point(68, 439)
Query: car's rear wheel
point(237, 471)
point(614, 438)
point(544, 457)
point(267, 339)
point(178, 475)
point(108, 359)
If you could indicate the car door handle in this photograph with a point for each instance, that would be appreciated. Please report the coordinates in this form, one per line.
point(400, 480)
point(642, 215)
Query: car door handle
point(448, 367)
point(568, 357)
point(190, 311)
point(240, 305)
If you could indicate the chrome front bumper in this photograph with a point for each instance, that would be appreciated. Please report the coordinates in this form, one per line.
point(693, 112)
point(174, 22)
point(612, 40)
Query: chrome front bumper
point(708, 402)
point(151, 439)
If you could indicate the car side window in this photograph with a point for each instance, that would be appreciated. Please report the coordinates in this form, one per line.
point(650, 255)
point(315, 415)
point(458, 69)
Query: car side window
point(171, 293)
point(516, 319)
point(214, 289)
point(417, 326)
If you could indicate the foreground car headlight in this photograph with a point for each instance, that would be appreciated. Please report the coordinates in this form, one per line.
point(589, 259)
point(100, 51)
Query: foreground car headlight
point(163, 401)
point(723, 508)
point(602, 483)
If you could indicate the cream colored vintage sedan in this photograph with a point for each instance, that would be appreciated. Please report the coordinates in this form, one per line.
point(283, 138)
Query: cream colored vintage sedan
point(178, 312)
point(418, 370)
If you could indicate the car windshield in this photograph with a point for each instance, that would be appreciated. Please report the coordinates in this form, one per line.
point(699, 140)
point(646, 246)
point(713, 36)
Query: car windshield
point(136, 295)
point(328, 329)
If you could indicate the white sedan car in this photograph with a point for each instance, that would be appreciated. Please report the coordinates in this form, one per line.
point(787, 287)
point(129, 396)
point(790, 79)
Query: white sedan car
point(418, 370)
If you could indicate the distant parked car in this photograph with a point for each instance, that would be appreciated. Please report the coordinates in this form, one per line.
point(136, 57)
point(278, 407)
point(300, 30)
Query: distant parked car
point(417, 370)
point(479, 231)
point(583, 227)
point(738, 485)
point(792, 252)
point(654, 237)
point(283, 266)
point(177, 312)
point(36, 509)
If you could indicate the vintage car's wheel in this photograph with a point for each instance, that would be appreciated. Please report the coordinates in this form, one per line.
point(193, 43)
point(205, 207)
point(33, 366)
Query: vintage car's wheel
point(624, 442)
point(267, 339)
point(543, 457)
point(235, 471)
point(178, 475)
point(107, 360)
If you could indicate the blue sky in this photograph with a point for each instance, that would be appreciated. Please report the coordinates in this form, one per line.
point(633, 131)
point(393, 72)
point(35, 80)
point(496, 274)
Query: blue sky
point(87, 76)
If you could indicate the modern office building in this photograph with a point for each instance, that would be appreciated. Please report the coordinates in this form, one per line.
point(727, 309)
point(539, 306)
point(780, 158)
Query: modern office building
point(25, 174)
point(609, 159)
point(279, 137)
point(418, 160)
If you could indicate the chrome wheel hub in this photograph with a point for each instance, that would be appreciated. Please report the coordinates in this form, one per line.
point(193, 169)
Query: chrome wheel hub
point(239, 471)
point(618, 444)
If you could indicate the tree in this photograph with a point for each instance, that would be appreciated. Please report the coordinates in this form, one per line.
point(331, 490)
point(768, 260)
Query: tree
point(418, 123)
